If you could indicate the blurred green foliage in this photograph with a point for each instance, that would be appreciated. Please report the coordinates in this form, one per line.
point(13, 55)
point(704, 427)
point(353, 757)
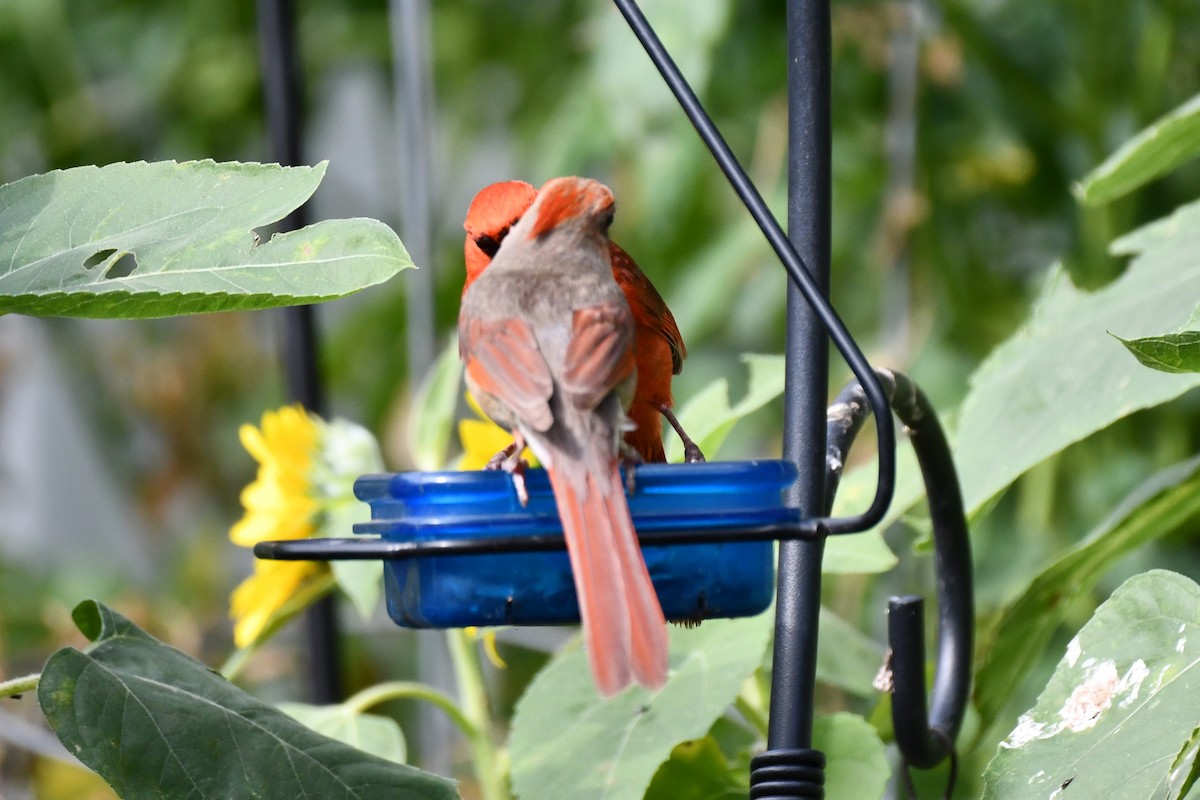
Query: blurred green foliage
point(1015, 102)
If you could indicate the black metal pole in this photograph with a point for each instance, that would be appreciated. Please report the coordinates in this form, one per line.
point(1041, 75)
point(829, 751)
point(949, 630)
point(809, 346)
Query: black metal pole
point(281, 94)
point(798, 597)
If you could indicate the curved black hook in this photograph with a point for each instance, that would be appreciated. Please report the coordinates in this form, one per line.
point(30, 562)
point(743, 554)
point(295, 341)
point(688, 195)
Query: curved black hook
point(924, 738)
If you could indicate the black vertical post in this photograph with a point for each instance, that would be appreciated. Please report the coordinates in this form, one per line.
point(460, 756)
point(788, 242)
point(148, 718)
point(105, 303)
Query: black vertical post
point(281, 93)
point(799, 589)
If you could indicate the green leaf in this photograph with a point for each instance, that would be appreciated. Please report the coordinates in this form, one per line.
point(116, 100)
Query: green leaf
point(1169, 352)
point(698, 770)
point(434, 407)
point(708, 417)
point(846, 658)
point(1062, 377)
point(867, 552)
point(157, 723)
point(371, 733)
point(348, 450)
point(569, 742)
point(154, 240)
point(1122, 707)
point(1166, 144)
point(1158, 507)
point(856, 765)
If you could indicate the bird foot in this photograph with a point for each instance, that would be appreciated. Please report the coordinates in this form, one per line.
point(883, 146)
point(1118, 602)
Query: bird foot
point(691, 451)
point(631, 459)
point(509, 460)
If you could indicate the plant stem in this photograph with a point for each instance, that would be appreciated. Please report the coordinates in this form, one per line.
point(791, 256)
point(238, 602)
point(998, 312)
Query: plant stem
point(19, 686)
point(400, 690)
point(489, 769)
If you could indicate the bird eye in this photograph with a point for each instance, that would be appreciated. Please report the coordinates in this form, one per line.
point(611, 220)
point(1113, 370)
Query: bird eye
point(489, 244)
point(607, 220)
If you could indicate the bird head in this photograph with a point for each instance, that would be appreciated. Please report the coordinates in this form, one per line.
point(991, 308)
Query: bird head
point(493, 212)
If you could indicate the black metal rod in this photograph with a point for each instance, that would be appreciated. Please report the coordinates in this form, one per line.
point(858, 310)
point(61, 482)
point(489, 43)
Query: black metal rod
point(346, 549)
point(795, 265)
point(924, 737)
point(926, 740)
point(281, 96)
point(798, 581)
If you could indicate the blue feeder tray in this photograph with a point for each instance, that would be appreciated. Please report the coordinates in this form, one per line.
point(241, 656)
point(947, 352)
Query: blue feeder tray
point(694, 581)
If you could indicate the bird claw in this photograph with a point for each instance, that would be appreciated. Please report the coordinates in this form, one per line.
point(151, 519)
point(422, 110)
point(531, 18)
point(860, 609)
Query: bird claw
point(496, 462)
point(691, 450)
point(630, 459)
point(509, 460)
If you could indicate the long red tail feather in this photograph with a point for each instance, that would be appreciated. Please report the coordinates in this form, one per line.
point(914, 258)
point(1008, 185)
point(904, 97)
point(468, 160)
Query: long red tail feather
point(623, 622)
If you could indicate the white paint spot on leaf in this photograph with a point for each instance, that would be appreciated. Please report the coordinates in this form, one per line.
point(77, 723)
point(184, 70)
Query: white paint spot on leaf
point(1073, 651)
point(1132, 682)
point(1091, 697)
point(1026, 731)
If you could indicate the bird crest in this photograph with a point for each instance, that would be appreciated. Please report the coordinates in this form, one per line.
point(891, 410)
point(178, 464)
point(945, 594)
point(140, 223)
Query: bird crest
point(562, 199)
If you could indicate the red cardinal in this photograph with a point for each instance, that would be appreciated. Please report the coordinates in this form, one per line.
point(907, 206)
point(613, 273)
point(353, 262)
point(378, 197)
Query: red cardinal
point(547, 338)
point(658, 346)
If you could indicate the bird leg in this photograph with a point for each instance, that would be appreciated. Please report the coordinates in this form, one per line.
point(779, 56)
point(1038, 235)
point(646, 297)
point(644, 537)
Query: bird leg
point(630, 460)
point(509, 460)
point(691, 451)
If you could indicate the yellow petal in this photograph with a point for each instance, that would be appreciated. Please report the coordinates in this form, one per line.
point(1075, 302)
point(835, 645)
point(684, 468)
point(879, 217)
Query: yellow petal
point(258, 598)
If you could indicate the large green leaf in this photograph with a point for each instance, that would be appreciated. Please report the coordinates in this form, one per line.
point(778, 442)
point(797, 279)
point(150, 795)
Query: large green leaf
point(157, 723)
point(1157, 508)
point(371, 733)
point(847, 658)
point(708, 417)
point(698, 770)
point(154, 240)
point(567, 741)
point(1120, 714)
point(1155, 151)
point(1062, 377)
point(856, 766)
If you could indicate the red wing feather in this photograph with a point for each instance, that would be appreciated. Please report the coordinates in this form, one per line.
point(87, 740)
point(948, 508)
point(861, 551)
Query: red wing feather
point(600, 356)
point(651, 310)
point(503, 358)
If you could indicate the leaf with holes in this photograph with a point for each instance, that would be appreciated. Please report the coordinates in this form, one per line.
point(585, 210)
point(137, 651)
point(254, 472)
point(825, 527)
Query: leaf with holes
point(154, 240)
point(567, 741)
point(157, 723)
point(1122, 708)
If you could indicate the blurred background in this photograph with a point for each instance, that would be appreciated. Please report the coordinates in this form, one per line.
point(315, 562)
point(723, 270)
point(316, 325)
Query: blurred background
point(959, 127)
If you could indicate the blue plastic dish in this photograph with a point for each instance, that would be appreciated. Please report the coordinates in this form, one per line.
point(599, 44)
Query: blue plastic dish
point(694, 581)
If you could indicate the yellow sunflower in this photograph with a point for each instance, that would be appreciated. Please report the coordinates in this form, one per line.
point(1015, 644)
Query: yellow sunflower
point(280, 504)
